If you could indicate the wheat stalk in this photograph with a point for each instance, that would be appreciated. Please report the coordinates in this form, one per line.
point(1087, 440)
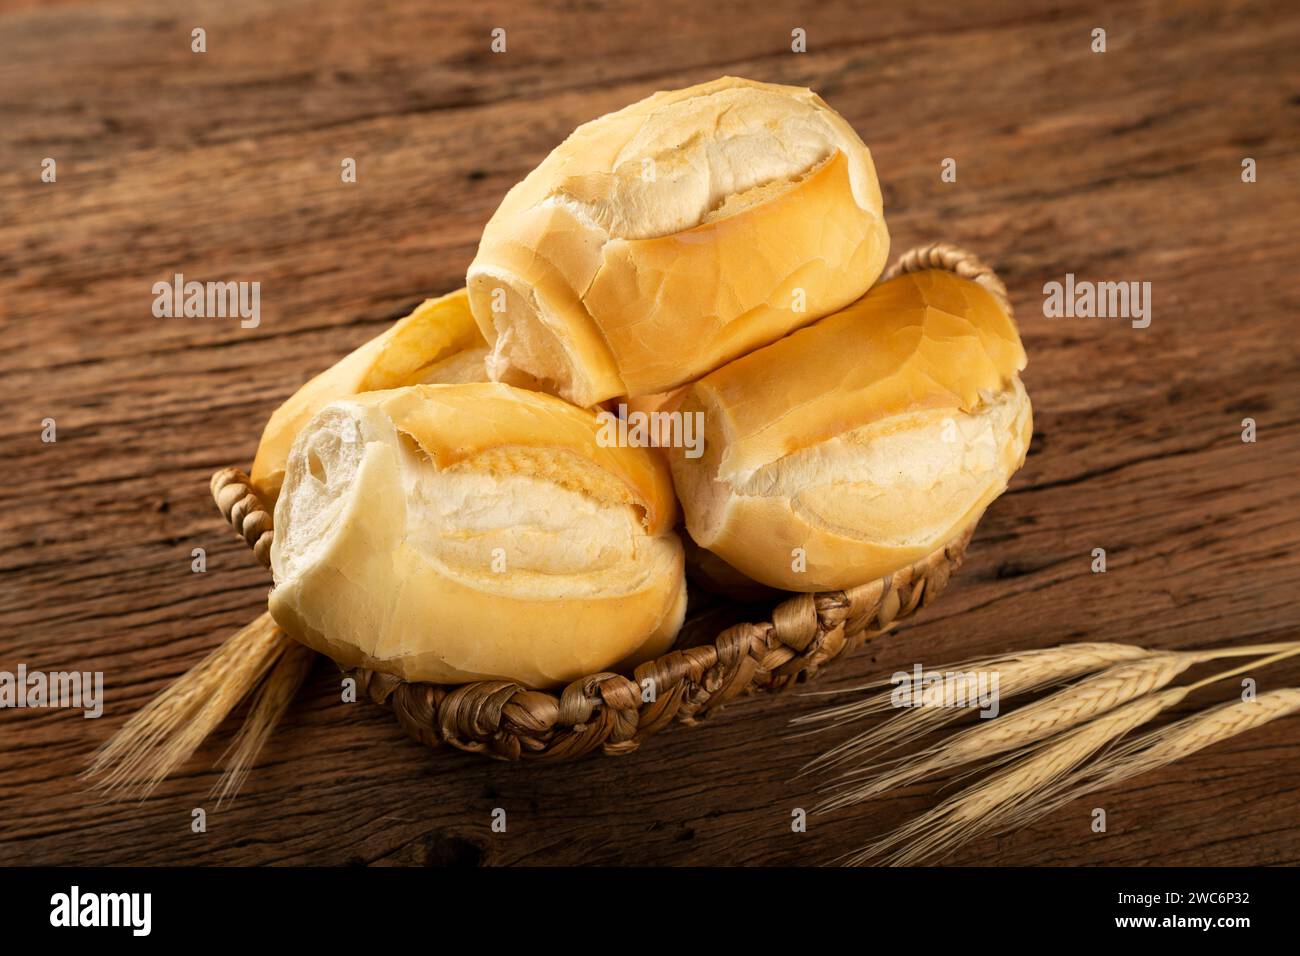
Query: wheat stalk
point(1161, 747)
point(958, 819)
point(270, 702)
point(1064, 658)
point(1185, 737)
point(1049, 769)
point(1017, 674)
point(167, 731)
point(1020, 673)
point(1044, 718)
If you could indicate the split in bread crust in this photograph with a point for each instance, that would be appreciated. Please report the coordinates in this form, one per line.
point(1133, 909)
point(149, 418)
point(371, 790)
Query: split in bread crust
point(471, 532)
point(861, 443)
point(658, 242)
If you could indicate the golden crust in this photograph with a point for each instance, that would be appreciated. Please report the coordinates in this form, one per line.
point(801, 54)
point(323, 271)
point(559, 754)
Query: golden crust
point(860, 444)
point(500, 428)
point(436, 330)
point(593, 282)
point(398, 504)
point(923, 340)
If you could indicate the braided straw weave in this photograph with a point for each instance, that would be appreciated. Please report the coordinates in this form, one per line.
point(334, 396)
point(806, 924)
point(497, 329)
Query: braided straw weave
point(611, 712)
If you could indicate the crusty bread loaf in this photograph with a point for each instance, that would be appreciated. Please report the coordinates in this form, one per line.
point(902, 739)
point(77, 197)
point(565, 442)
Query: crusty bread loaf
point(867, 439)
point(438, 342)
point(658, 242)
point(450, 533)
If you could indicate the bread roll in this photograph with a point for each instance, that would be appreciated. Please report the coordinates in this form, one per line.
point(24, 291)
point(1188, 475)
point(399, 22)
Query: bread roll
point(658, 242)
point(450, 533)
point(438, 342)
point(868, 439)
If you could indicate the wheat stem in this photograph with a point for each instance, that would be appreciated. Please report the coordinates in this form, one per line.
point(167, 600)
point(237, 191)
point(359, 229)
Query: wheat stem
point(167, 731)
point(1285, 651)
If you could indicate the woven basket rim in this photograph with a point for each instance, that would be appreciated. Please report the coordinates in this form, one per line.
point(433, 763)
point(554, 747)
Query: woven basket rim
point(614, 713)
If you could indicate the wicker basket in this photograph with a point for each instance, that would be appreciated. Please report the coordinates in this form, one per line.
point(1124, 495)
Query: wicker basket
point(612, 712)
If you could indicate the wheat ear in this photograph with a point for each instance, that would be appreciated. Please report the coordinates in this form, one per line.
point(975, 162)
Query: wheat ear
point(270, 702)
point(165, 734)
point(952, 823)
point(1017, 674)
point(1185, 737)
point(1124, 760)
point(1043, 775)
point(1029, 724)
point(1163, 746)
point(1064, 659)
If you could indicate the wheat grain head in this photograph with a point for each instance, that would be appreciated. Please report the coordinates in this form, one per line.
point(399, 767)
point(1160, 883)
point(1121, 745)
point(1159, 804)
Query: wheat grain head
point(270, 702)
point(167, 731)
point(1017, 674)
point(984, 805)
point(1161, 747)
point(1021, 728)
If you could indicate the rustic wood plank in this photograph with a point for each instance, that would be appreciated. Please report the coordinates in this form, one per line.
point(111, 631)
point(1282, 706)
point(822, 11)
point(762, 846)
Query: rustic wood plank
point(1117, 166)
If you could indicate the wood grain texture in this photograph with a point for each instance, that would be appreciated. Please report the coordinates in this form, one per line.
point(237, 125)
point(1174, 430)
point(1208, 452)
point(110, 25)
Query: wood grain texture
point(1115, 166)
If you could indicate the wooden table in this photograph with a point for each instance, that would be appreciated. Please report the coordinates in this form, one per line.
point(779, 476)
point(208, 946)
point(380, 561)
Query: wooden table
point(1123, 165)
